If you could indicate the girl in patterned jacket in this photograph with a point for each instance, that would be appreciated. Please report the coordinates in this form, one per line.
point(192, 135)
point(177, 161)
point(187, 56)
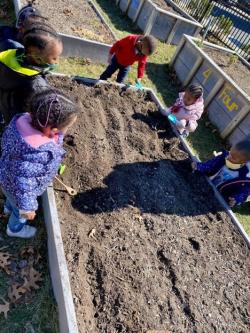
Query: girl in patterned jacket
point(31, 154)
point(187, 109)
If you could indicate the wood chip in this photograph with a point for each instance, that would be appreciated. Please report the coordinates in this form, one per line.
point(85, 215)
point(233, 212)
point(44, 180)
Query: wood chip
point(15, 292)
point(4, 308)
point(32, 279)
point(92, 233)
point(27, 251)
point(5, 261)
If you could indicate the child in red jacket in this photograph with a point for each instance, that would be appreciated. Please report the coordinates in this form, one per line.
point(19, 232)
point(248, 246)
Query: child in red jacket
point(125, 52)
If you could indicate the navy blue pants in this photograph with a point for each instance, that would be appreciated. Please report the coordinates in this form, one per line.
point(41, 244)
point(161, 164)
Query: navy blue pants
point(112, 68)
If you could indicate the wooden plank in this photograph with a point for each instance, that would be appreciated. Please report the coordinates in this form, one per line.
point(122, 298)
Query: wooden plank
point(162, 26)
point(218, 116)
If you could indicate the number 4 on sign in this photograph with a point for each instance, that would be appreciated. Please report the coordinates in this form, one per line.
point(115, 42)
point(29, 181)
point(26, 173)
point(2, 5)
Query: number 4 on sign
point(206, 74)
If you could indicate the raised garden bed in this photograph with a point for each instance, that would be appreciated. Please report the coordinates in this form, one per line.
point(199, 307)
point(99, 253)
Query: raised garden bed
point(74, 46)
point(225, 78)
point(162, 4)
point(157, 19)
point(147, 244)
point(232, 65)
point(77, 18)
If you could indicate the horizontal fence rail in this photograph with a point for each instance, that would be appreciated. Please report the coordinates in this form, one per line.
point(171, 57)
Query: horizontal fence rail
point(226, 21)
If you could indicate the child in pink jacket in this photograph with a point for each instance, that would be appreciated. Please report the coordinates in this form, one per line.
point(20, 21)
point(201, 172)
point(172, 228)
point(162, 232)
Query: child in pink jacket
point(187, 109)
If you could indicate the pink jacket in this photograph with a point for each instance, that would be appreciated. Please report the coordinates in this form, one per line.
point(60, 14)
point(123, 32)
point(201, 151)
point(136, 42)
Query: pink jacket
point(188, 114)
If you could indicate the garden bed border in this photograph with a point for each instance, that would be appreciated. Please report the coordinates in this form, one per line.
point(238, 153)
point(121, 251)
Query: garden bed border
point(202, 57)
point(57, 261)
point(154, 12)
point(82, 47)
point(93, 5)
point(58, 266)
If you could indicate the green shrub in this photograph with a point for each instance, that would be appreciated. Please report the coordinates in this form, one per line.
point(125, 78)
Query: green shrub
point(200, 9)
point(245, 48)
point(223, 25)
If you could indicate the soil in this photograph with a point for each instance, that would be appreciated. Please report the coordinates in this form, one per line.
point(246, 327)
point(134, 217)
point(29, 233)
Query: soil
point(147, 244)
point(163, 5)
point(76, 18)
point(236, 69)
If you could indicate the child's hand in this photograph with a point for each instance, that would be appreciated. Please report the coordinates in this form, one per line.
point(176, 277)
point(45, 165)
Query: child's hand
point(28, 215)
point(138, 84)
point(172, 118)
point(231, 202)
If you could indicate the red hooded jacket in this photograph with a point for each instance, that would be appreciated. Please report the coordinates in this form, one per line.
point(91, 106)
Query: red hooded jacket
point(125, 52)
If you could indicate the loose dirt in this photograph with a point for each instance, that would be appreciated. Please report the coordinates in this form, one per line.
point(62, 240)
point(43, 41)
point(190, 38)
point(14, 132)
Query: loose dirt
point(163, 5)
point(76, 18)
point(148, 246)
point(231, 65)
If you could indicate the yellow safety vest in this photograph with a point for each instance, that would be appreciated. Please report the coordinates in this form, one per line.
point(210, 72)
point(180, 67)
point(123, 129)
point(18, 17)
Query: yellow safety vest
point(8, 58)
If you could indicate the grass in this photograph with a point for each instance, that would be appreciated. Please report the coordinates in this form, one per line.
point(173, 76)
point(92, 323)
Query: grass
point(36, 312)
point(160, 78)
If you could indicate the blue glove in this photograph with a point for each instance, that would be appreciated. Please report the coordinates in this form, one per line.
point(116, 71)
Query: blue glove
point(138, 85)
point(172, 118)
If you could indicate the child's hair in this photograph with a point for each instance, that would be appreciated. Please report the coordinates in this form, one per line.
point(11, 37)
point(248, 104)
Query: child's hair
point(151, 43)
point(195, 90)
point(51, 108)
point(26, 12)
point(33, 18)
point(39, 34)
point(244, 147)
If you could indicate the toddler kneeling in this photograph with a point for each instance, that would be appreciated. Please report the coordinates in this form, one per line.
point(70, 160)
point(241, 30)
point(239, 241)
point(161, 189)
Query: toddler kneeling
point(187, 109)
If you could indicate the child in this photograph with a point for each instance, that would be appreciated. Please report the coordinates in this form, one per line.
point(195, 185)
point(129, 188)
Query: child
point(127, 51)
point(21, 70)
point(230, 172)
point(31, 154)
point(11, 37)
point(26, 12)
point(187, 109)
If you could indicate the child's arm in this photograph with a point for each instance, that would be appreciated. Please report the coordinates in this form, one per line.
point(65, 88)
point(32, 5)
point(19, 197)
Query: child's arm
point(141, 68)
point(211, 167)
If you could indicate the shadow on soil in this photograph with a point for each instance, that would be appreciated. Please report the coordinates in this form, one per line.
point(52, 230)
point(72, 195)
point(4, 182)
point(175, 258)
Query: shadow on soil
point(163, 186)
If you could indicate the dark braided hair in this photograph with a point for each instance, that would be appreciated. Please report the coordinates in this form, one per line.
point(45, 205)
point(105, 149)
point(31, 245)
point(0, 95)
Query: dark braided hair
point(25, 12)
point(39, 34)
point(195, 90)
point(51, 108)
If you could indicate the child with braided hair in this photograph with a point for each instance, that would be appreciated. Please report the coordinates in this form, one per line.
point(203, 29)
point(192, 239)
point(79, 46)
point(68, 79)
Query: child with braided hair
point(31, 154)
point(11, 36)
point(187, 109)
point(22, 70)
